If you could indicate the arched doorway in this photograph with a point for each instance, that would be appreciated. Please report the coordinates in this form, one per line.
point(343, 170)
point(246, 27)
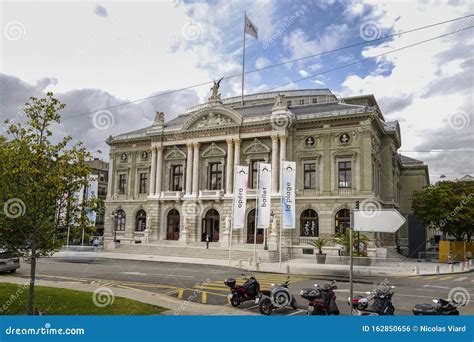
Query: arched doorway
point(251, 228)
point(172, 225)
point(210, 226)
point(309, 223)
point(343, 220)
point(140, 221)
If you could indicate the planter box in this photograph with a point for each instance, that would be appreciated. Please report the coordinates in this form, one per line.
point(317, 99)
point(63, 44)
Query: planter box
point(321, 258)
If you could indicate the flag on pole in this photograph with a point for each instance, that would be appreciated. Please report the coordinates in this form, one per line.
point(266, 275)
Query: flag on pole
point(288, 196)
point(263, 195)
point(250, 28)
point(240, 195)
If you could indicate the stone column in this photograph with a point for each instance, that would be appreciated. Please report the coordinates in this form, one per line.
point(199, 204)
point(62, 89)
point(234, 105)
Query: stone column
point(229, 167)
point(283, 139)
point(153, 172)
point(237, 151)
point(275, 164)
point(159, 170)
point(110, 183)
point(189, 169)
point(196, 172)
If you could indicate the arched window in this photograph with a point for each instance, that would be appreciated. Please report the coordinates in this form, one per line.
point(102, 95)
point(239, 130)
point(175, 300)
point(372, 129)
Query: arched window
point(343, 220)
point(210, 226)
point(309, 223)
point(119, 220)
point(172, 228)
point(140, 221)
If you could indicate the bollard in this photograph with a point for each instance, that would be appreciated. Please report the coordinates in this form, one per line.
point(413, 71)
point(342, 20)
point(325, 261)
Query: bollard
point(287, 268)
point(257, 266)
point(451, 268)
point(417, 270)
point(437, 269)
point(240, 263)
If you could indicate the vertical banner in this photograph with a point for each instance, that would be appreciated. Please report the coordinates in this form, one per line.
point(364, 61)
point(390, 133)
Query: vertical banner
point(263, 195)
point(241, 178)
point(91, 192)
point(288, 196)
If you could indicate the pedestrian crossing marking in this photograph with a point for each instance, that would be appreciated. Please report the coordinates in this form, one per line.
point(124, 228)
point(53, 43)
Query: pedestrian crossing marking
point(460, 279)
point(446, 278)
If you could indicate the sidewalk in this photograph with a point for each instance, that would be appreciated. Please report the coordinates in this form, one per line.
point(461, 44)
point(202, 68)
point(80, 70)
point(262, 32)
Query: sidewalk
point(304, 266)
point(175, 306)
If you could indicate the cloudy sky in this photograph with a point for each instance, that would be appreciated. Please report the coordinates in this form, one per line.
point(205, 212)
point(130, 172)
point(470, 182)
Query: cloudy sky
point(96, 55)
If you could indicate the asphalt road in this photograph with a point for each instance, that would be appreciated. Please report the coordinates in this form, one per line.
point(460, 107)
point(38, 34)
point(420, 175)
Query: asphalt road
point(204, 283)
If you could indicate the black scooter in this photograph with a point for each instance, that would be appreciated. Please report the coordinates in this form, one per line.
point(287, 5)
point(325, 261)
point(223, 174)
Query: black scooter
point(249, 290)
point(381, 306)
point(442, 307)
point(321, 300)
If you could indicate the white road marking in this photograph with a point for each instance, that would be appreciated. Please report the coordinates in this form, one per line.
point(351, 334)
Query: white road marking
point(252, 307)
point(157, 274)
point(296, 312)
point(438, 287)
point(460, 279)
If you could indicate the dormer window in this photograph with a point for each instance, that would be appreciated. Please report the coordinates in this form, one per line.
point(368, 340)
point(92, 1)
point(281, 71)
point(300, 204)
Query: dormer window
point(315, 100)
point(301, 101)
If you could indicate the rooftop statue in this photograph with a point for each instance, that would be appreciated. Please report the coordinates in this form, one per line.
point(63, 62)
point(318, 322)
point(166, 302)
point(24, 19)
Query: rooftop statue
point(215, 95)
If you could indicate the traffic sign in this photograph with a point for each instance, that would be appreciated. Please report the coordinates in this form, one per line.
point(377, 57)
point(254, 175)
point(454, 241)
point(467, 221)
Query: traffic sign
point(379, 220)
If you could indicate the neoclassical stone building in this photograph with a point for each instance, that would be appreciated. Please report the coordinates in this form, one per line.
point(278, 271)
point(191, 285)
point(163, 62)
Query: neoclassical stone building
point(172, 181)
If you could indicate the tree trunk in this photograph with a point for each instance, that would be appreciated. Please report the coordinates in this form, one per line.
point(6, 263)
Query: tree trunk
point(31, 292)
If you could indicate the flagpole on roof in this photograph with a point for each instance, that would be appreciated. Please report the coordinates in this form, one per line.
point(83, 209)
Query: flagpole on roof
point(243, 63)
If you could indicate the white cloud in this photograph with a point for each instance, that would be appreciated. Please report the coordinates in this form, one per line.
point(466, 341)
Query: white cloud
point(303, 73)
point(262, 62)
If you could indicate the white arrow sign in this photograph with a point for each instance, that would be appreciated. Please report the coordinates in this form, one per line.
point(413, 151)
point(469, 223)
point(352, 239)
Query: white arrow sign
point(381, 220)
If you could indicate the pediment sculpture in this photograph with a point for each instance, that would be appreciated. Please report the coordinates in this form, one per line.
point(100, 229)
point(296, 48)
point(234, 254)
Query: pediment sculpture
point(213, 119)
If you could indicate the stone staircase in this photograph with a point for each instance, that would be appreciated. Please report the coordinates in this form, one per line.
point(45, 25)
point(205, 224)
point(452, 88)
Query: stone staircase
point(198, 250)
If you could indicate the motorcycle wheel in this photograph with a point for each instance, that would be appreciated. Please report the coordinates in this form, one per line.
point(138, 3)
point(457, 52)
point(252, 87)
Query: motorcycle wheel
point(265, 307)
point(234, 302)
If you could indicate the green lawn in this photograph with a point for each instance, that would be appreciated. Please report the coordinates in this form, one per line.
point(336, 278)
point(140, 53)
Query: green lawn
point(54, 301)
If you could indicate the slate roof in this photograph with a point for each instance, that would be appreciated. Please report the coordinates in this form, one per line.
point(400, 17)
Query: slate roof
point(409, 161)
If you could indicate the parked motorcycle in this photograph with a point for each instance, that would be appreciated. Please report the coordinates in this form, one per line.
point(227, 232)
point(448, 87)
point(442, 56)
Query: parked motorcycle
point(382, 304)
point(442, 307)
point(249, 290)
point(278, 297)
point(321, 300)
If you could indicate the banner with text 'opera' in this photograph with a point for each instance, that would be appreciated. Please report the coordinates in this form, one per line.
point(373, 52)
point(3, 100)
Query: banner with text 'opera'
point(241, 178)
point(288, 195)
point(263, 195)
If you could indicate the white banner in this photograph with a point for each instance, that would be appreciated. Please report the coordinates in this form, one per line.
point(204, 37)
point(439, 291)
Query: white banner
point(263, 195)
point(288, 196)
point(91, 192)
point(241, 178)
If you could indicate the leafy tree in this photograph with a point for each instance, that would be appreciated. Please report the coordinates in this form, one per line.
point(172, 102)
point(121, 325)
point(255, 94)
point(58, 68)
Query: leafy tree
point(37, 178)
point(448, 206)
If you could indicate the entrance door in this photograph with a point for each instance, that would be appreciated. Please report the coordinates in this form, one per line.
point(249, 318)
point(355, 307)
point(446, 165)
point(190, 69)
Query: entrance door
point(251, 229)
point(172, 225)
point(210, 226)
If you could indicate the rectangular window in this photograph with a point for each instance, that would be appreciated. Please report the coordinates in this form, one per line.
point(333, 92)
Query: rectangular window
point(254, 172)
point(315, 100)
point(122, 183)
point(301, 101)
point(177, 178)
point(309, 176)
point(143, 188)
point(215, 177)
point(288, 103)
point(345, 174)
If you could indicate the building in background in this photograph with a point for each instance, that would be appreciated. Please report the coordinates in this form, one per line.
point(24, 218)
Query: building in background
point(172, 182)
point(100, 169)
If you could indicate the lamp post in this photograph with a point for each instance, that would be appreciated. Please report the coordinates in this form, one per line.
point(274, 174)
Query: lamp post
point(265, 236)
